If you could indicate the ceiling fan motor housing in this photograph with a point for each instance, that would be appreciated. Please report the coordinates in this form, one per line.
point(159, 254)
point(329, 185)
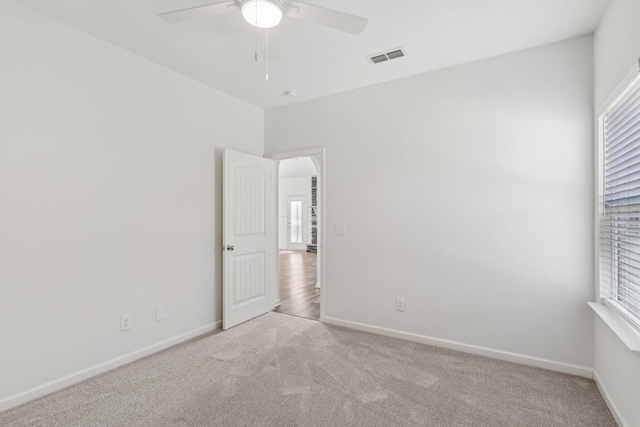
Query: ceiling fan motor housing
point(262, 13)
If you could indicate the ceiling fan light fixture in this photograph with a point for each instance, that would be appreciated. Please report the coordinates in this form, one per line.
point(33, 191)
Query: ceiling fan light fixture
point(262, 13)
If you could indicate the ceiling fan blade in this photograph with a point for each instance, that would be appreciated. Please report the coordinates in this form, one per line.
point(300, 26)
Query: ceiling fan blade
point(200, 11)
point(327, 17)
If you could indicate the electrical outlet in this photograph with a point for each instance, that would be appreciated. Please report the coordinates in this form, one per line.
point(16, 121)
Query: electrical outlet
point(341, 229)
point(125, 322)
point(159, 313)
point(400, 304)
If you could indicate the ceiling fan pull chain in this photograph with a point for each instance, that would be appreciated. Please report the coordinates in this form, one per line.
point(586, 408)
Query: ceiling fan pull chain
point(255, 55)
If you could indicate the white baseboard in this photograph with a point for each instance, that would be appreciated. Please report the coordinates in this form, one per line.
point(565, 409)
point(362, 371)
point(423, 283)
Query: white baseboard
point(59, 384)
point(607, 399)
point(521, 359)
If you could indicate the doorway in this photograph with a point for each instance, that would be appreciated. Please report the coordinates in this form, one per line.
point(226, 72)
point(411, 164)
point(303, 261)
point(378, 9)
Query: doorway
point(251, 239)
point(299, 288)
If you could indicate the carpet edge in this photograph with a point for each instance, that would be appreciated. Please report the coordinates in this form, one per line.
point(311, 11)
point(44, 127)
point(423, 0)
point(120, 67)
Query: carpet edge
point(84, 374)
point(567, 368)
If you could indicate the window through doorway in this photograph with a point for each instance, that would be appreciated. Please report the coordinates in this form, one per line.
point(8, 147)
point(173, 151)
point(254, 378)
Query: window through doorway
point(296, 222)
point(295, 209)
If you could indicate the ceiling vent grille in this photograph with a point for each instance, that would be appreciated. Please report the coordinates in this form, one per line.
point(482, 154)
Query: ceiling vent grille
point(378, 58)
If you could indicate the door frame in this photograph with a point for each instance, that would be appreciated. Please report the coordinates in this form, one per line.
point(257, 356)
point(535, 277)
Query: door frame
point(298, 246)
point(317, 155)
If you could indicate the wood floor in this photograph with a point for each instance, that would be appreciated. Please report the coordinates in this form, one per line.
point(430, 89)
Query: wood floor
point(298, 293)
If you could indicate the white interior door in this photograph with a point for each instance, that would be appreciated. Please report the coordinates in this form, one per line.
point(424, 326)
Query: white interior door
point(296, 222)
point(247, 193)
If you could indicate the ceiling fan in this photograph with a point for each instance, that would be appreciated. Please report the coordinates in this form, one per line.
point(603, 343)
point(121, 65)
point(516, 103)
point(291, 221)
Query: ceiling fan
point(269, 13)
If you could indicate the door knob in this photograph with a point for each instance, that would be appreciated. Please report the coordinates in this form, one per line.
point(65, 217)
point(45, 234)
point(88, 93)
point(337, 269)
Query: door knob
point(230, 247)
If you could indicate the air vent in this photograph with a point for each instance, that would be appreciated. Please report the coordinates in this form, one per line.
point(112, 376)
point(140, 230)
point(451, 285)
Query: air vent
point(395, 54)
point(377, 58)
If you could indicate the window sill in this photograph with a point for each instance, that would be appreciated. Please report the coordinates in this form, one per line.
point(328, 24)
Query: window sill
point(627, 334)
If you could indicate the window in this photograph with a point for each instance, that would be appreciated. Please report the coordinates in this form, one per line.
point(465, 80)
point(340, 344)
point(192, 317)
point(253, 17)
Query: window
point(619, 132)
point(295, 207)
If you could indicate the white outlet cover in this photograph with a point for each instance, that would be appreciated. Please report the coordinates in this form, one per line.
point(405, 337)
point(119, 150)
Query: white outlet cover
point(341, 229)
point(159, 313)
point(125, 322)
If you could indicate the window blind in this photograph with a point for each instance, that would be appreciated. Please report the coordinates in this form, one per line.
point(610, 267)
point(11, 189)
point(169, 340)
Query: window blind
point(620, 220)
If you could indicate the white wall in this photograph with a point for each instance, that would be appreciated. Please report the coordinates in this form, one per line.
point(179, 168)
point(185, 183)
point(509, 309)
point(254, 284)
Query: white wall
point(617, 49)
point(300, 186)
point(467, 191)
point(110, 185)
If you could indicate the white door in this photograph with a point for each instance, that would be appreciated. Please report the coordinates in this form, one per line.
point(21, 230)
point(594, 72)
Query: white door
point(246, 291)
point(296, 223)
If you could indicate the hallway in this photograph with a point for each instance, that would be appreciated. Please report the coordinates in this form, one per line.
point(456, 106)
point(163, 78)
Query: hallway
point(298, 293)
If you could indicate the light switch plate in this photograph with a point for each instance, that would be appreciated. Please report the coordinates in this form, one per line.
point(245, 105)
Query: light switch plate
point(341, 229)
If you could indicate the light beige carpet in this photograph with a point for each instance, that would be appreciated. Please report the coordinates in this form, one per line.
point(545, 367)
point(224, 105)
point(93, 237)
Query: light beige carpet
point(281, 370)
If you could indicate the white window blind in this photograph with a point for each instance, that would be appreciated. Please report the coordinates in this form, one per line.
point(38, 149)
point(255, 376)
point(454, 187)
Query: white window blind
point(620, 220)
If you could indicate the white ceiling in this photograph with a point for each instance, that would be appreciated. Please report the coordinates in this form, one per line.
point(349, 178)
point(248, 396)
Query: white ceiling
point(318, 61)
point(297, 168)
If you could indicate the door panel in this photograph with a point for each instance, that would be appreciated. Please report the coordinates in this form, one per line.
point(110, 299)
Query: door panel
point(246, 237)
point(248, 271)
point(249, 200)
